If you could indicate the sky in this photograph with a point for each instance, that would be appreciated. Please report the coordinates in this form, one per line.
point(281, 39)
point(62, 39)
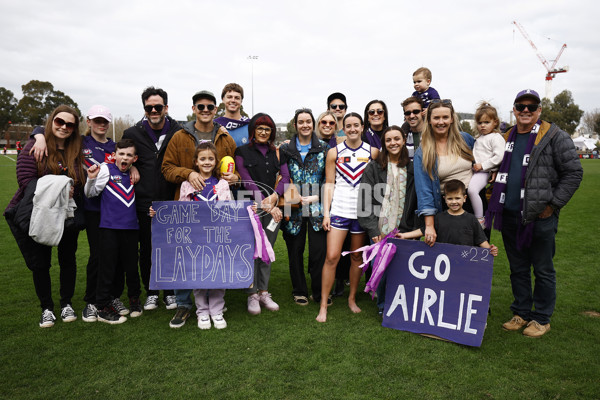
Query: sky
point(107, 52)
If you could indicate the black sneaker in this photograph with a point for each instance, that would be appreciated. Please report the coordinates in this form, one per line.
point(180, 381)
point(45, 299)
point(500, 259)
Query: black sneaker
point(68, 314)
point(119, 307)
point(110, 316)
point(182, 314)
point(89, 313)
point(47, 319)
point(135, 307)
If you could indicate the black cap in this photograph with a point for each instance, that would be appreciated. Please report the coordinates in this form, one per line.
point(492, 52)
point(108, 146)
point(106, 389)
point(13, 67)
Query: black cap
point(336, 95)
point(204, 94)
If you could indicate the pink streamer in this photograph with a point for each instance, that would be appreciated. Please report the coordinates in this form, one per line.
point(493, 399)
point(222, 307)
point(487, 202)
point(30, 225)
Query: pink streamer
point(262, 247)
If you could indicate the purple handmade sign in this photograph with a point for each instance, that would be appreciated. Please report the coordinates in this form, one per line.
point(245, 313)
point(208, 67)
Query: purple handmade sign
point(201, 245)
point(442, 290)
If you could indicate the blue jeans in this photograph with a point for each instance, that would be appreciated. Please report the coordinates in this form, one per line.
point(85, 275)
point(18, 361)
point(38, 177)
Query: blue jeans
point(539, 304)
point(183, 298)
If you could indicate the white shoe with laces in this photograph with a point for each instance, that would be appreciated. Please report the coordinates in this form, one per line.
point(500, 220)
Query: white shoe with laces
point(218, 321)
point(151, 302)
point(47, 319)
point(68, 314)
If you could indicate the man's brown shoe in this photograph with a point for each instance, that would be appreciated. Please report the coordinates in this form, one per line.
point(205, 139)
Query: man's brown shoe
point(535, 329)
point(514, 324)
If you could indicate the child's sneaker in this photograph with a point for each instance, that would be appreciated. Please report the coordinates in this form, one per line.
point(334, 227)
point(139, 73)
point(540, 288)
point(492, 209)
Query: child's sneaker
point(119, 307)
point(171, 302)
point(110, 316)
point(89, 313)
point(253, 304)
point(47, 319)
point(68, 314)
point(268, 303)
point(219, 321)
point(151, 302)
point(204, 322)
point(135, 306)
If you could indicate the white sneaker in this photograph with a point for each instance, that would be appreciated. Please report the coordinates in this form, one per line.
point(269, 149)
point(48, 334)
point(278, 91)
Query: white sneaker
point(151, 302)
point(204, 322)
point(219, 321)
point(47, 319)
point(68, 314)
point(171, 302)
point(253, 304)
point(268, 303)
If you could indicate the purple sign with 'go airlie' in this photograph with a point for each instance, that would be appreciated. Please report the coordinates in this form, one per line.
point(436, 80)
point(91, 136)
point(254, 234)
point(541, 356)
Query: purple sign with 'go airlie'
point(442, 290)
point(202, 245)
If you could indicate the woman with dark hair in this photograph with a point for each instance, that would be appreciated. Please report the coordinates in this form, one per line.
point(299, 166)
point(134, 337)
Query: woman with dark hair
point(387, 198)
point(258, 164)
point(344, 166)
point(376, 121)
point(305, 157)
point(445, 154)
point(64, 158)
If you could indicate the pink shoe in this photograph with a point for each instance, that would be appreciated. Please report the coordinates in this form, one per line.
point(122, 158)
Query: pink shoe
point(267, 302)
point(253, 304)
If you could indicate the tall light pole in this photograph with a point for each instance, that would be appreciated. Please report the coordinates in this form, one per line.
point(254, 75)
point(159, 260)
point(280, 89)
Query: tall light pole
point(252, 58)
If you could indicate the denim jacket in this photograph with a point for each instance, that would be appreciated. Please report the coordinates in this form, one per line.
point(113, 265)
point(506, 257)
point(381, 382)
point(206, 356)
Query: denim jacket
point(429, 194)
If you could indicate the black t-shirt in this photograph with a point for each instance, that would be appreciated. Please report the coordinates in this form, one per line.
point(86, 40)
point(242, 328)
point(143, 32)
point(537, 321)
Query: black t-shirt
point(461, 229)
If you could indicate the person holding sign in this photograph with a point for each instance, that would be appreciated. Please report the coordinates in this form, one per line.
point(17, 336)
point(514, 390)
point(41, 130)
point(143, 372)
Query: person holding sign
point(344, 167)
point(445, 153)
point(305, 156)
point(539, 174)
point(387, 197)
point(258, 164)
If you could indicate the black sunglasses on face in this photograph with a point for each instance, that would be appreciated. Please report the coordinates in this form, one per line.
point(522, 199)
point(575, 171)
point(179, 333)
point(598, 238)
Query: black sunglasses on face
point(379, 111)
point(201, 107)
point(59, 122)
point(415, 112)
point(330, 123)
point(336, 106)
point(521, 107)
point(157, 107)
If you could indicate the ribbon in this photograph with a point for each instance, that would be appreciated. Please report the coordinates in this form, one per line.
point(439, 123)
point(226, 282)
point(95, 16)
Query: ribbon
point(262, 248)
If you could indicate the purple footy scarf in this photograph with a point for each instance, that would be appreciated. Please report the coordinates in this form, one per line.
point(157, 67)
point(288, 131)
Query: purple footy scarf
point(150, 131)
point(493, 214)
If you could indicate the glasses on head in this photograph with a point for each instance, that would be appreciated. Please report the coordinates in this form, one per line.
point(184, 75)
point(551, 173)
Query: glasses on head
point(157, 107)
point(59, 122)
point(379, 111)
point(443, 101)
point(414, 112)
point(521, 107)
point(336, 106)
point(261, 129)
point(325, 123)
point(303, 110)
point(201, 107)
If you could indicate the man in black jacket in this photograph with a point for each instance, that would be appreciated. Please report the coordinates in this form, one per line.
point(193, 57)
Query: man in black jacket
point(151, 136)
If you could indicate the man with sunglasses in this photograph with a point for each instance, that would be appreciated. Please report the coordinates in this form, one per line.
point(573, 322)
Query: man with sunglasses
point(336, 103)
point(151, 136)
point(178, 166)
point(539, 174)
point(413, 116)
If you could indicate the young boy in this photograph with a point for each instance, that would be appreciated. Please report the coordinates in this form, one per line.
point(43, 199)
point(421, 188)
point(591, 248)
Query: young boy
point(455, 225)
point(118, 230)
point(422, 80)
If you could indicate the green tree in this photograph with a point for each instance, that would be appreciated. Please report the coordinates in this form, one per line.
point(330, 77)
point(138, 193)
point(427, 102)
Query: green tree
point(562, 111)
point(465, 126)
point(591, 121)
point(38, 101)
point(8, 107)
point(291, 129)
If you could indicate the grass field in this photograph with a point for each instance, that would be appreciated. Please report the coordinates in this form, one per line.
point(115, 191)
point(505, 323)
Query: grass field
point(287, 355)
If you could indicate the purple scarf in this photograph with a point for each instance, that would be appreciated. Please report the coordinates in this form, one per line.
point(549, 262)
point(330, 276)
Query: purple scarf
point(493, 214)
point(150, 131)
point(262, 246)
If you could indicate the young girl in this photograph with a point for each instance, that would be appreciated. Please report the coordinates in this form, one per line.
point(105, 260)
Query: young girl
point(488, 152)
point(209, 302)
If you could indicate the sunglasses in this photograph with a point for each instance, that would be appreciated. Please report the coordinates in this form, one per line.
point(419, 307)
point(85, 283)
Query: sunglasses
point(521, 107)
point(379, 111)
point(443, 101)
point(414, 112)
point(303, 110)
point(59, 122)
point(336, 106)
point(330, 123)
point(201, 107)
point(157, 107)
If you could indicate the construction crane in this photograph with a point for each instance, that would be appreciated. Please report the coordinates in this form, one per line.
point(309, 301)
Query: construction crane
point(551, 69)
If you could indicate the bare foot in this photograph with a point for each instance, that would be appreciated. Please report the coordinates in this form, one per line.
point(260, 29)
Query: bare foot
point(353, 307)
point(322, 317)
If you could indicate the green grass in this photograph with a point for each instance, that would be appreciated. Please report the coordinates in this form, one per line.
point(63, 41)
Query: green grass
point(287, 355)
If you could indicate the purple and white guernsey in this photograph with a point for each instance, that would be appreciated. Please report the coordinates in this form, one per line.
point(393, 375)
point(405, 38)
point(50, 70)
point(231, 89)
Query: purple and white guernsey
point(208, 193)
point(96, 153)
point(349, 167)
point(117, 202)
